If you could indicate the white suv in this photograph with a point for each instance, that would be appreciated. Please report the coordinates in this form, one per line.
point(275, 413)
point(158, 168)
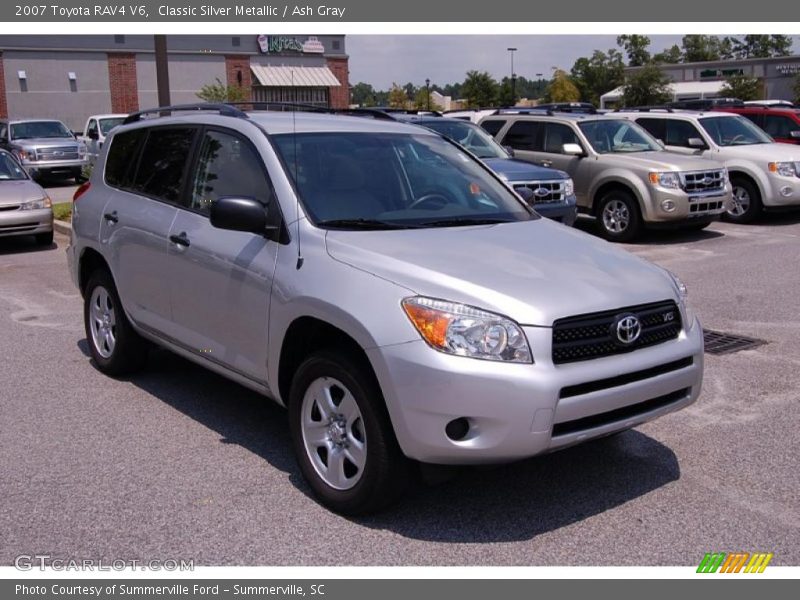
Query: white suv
point(764, 174)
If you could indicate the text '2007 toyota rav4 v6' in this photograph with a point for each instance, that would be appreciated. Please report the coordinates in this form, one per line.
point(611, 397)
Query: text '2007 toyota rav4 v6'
point(388, 288)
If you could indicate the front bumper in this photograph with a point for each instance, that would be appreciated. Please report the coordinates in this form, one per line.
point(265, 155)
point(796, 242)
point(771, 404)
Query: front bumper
point(687, 207)
point(42, 168)
point(784, 191)
point(512, 409)
point(26, 222)
point(563, 212)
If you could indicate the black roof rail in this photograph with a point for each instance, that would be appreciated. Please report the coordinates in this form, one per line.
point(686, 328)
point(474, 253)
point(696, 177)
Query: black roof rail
point(668, 109)
point(223, 109)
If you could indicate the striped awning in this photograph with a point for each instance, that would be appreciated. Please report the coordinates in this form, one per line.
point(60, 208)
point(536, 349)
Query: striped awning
point(269, 76)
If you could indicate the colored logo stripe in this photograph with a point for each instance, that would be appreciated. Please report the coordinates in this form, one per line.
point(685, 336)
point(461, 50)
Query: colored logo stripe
point(734, 562)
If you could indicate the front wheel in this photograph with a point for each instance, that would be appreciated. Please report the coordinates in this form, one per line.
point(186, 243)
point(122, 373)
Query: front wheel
point(746, 202)
point(342, 435)
point(619, 216)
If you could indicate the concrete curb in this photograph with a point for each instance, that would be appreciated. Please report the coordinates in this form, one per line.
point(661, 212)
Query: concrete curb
point(64, 227)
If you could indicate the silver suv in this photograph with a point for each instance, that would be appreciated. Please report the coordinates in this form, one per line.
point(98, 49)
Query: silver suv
point(622, 175)
point(45, 147)
point(381, 283)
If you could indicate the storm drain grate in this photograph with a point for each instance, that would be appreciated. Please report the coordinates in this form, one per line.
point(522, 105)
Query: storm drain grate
point(718, 342)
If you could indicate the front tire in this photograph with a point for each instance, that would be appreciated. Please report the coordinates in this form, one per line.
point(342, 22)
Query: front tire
point(746, 205)
point(342, 436)
point(619, 216)
point(115, 347)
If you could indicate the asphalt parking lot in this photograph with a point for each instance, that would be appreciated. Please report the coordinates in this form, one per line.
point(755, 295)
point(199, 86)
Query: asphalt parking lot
point(180, 463)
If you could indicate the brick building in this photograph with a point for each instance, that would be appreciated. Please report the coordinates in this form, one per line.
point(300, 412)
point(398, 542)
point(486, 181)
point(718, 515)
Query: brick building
point(70, 77)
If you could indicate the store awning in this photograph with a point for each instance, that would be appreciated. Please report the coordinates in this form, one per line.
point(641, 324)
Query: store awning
point(269, 76)
point(681, 90)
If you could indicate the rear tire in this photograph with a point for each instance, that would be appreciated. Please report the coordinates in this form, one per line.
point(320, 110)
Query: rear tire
point(114, 345)
point(619, 216)
point(747, 204)
point(44, 239)
point(343, 439)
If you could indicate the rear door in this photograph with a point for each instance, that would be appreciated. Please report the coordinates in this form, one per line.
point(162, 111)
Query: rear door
point(221, 280)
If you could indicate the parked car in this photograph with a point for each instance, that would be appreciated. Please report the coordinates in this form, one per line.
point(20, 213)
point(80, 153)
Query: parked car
point(45, 147)
point(95, 132)
point(622, 175)
point(779, 122)
point(380, 282)
point(25, 208)
point(549, 191)
point(763, 174)
point(473, 115)
point(704, 103)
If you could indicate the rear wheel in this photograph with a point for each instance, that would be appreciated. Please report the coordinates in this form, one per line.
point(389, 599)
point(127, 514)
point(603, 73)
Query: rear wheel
point(619, 216)
point(342, 435)
point(746, 202)
point(115, 347)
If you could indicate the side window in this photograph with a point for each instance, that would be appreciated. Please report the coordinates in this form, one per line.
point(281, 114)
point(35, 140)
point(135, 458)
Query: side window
point(679, 132)
point(164, 156)
point(493, 126)
point(556, 135)
point(780, 127)
point(522, 135)
point(228, 166)
point(758, 119)
point(122, 157)
point(91, 127)
point(3, 132)
point(654, 127)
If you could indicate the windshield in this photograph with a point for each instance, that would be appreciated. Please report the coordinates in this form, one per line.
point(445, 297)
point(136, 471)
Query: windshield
point(472, 137)
point(107, 125)
point(393, 181)
point(734, 131)
point(39, 129)
point(618, 136)
point(10, 169)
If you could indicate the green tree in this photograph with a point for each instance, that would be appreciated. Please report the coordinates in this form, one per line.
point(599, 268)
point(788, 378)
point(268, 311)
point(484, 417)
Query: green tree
point(635, 47)
point(699, 48)
point(742, 87)
point(671, 55)
point(421, 100)
point(597, 75)
point(479, 89)
point(762, 46)
point(561, 89)
point(364, 94)
point(219, 92)
point(647, 86)
point(397, 97)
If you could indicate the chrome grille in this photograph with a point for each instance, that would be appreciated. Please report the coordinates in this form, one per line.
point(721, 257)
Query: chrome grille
point(57, 153)
point(543, 191)
point(695, 182)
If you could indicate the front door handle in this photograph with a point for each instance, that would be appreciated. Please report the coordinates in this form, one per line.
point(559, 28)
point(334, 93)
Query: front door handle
point(546, 163)
point(180, 240)
point(111, 217)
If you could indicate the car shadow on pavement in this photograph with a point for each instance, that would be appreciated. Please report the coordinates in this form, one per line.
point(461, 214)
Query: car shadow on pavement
point(657, 237)
point(22, 244)
point(779, 217)
point(505, 503)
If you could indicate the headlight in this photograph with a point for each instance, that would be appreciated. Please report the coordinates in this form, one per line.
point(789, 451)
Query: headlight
point(683, 296)
point(36, 204)
point(82, 149)
point(25, 154)
point(786, 169)
point(667, 179)
point(569, 187)
point(726, 178)
point(467, 331)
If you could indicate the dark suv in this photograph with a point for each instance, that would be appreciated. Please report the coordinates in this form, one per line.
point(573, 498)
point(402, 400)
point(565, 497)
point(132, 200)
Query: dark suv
point(782, 123)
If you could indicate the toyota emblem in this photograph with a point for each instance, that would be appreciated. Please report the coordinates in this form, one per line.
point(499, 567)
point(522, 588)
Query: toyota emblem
point(627, 329)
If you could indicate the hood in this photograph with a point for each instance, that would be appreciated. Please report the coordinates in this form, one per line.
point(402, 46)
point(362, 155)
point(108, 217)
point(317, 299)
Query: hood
point(518, 170)
point(533, 271)
point(44, 142)
point(763, 153)
point(19, 190)
point(656, 161)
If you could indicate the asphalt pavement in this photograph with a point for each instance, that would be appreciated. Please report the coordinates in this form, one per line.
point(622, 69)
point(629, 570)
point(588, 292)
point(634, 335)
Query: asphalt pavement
point(179, 463)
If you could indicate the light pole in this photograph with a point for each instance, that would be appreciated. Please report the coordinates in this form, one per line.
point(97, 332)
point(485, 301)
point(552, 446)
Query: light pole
point(541, 81)
point(513, 78)
point(428, 91)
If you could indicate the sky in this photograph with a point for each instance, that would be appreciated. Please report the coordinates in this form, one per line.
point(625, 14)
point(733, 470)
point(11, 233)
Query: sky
point(385, 59)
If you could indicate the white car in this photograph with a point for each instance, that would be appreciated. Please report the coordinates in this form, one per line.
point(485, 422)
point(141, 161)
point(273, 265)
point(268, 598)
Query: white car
point(96, 130)
point(763, 173)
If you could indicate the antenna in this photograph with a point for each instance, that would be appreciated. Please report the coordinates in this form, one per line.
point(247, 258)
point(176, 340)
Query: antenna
point(296, 180)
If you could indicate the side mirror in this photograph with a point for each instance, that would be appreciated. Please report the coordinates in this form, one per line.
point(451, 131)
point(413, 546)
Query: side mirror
point(239, 214)
point(510, 150)
point(696, 143)
point(92, 134)
point(572, 149)
point(795, 134)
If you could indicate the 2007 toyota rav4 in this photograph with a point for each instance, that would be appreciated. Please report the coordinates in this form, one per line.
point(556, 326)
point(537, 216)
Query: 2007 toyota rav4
point(385, 286)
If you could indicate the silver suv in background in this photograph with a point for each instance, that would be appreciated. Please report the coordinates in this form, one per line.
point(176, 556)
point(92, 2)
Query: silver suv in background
point(45, 147)
point(764, 174)
point(622, 175)
point(381, 283)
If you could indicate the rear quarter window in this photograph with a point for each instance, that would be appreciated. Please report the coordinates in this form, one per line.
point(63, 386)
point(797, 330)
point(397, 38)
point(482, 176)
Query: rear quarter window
point(492, 126)
point(122, 157)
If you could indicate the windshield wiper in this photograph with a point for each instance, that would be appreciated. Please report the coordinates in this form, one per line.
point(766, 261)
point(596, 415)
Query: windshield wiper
point(363, 224)
point(455, 222)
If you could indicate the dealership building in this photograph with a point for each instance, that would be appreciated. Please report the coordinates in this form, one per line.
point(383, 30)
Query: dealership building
point(697, 80)
point(70, 77)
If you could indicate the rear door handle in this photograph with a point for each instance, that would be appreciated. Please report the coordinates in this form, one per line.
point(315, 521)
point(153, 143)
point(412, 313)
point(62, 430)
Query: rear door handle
point(111, 217)
point(180, 240)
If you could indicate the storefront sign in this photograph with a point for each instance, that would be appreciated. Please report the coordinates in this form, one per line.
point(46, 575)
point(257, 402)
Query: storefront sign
point(788, 69)
point(275, 44)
